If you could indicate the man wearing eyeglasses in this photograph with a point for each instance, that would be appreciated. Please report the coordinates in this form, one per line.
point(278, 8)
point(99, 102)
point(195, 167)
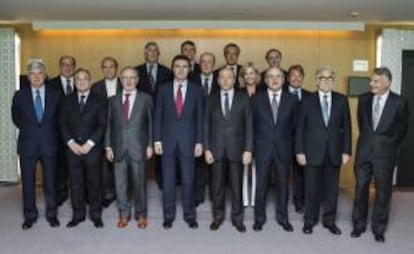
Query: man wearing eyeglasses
point(322, 146)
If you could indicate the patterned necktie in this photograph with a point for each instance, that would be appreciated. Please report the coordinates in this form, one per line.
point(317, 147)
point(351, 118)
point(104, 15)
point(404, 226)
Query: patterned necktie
point(82, 103)
point(151, 77)
point(226, 105)
point(376, 113)
point(205, 86)
point(296, 92)
point(325, 110)
point(179, 101)
point(125, 107)
point(38, 106)
point(68, 87)
point(275, 107)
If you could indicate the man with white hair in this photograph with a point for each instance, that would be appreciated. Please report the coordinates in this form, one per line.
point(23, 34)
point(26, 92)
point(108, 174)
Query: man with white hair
point(37, 141)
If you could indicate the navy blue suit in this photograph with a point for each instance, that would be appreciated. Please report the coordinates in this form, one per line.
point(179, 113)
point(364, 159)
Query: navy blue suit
point(37, 141)
point(273, 145)
point(178, 135)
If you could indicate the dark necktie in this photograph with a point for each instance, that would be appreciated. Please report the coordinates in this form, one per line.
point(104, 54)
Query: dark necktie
point(325, 110)
point(226, 105)
point(274, 108)
point(205, 86)
point(125, 107)
point(38, 106)
point(179, 101)
point(82, 103)
point(296, 92)
point(151, 77)
point(68, 87)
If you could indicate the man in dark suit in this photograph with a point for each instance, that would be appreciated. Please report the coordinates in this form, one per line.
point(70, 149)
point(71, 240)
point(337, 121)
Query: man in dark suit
point(82, 124)
point(295, 87)
point(151, 72)
point(178, 121)
point(151, 75)
point(382, 121)
point(128, 144)
point(107, 87)
point(273, 58)
point(188, 48)
point(65, 85)
point(208, 81)
point(228, 144)
point(231, 55)
point(323, 145)
point(34, 112)
point(274, 113)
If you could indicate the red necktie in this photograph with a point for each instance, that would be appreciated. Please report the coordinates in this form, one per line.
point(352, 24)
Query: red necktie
point(179, 101)
point(125, 107)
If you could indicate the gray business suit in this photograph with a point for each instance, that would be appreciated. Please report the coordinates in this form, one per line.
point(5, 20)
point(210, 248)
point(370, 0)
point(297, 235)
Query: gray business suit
point(129, 140)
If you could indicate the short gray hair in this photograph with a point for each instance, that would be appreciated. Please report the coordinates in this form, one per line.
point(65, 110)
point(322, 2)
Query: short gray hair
point(325, 68)
point(36, 64)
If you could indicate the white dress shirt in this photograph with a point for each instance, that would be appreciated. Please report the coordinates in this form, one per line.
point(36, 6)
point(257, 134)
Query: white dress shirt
point(111, 86)
point(270, 93)
point(42, 95)
point(64, 82)
point(183, 89)
point(210, 81)
point(132, 96)
point(329, 99)
point(230, 94)
point(382, 102)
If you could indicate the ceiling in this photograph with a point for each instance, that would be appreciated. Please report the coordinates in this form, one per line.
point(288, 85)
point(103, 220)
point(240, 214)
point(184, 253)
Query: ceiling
point(370, 11)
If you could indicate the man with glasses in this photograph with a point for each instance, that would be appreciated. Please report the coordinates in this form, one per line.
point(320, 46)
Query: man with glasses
point(322, 146)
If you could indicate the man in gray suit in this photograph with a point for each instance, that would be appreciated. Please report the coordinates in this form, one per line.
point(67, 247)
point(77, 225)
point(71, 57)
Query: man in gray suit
point(228, 140)
point(128, 143)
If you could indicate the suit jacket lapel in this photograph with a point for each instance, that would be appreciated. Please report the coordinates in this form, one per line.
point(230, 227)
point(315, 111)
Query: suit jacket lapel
point(32, 106)
point(320, 110)
point(368, 108)
point(388, 106)
point(118, 86)
point(268, 106)
point(281, 107)
point(134, 107)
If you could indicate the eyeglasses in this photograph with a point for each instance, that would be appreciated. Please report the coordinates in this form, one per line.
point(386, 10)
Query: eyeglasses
point(323, 78)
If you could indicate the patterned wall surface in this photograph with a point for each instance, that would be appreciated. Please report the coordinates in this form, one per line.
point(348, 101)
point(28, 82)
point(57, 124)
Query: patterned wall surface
point(8, 159)
point(393, 43)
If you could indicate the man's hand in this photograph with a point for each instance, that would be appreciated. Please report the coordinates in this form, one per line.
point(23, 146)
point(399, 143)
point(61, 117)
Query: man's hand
point(345, 158)
point(198, 150)
point(247, 158)
point(158, 148)
point(75, 148)
point(301, 159)
point(109, 154)
point(86, 148)
point(150, 152)
point(208, 156)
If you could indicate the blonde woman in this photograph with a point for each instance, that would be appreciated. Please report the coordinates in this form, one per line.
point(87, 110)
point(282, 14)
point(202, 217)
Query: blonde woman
point(249, 79)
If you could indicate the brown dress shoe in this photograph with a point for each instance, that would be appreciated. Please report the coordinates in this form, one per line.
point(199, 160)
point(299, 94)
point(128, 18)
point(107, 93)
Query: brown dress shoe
point(122, 222)
point(142, 222)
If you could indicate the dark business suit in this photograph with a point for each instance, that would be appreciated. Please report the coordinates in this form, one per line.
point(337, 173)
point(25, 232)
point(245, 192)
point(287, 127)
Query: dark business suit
point(237, 83)
point(195, 71)
point(178, 135)
point(376, 157)
point(323, 147)
point(227, 137)
point(144, 83)
point(129, 139)
point(298, 170)
point(62, 179)
point(108, 178)
point(273, 144)
point(201, 167)
point(83, 126)
point(37, 141)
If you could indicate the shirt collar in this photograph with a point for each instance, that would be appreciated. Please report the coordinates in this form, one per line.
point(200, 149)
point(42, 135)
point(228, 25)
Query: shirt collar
point(384, 96)
point(85, 93)
point(184, 83)
point(41, 89)
point(270, 92)
point(133, 92)
point(230, 92)
point(322, 94)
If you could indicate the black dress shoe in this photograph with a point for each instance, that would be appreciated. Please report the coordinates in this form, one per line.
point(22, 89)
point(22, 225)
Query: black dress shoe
point(167, 224)
point(74, 222)
point(98, 223)
point(307, 229)
point(215, 225)
point(28, 224)
point(333, 229)
point(379, 238)
point(286, 226)
point(193, 224)
point(357, 232)
point(257, 226)
point(53, 222)
point(239, 225)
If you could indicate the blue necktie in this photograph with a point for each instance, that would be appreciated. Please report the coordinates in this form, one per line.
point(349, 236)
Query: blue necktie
point(38, 106)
